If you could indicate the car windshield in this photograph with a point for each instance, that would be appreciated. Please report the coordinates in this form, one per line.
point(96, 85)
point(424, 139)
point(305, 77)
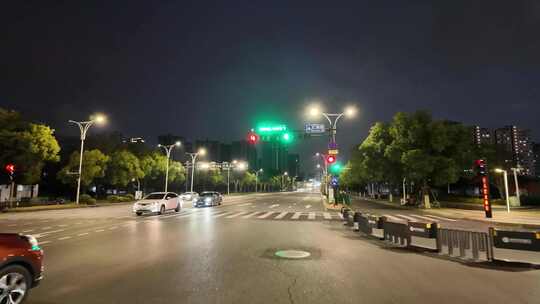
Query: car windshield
point(154, 196)
point(207, 194)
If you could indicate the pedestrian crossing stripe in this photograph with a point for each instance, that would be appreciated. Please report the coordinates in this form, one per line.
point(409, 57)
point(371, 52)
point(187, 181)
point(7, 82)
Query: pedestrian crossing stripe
point(296, 216)
point(441, 218)
point(267, 214)
point(281, 215)
point(236, 214)
point(250, 215)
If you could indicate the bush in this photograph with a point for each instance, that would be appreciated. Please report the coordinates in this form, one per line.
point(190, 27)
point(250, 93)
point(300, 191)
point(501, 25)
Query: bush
point(87, 199)
point(530, 200)
point(120, 198)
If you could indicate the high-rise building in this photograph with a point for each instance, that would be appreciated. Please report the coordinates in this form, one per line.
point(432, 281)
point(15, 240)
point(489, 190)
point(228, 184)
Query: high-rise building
point(243, 150)
point(536, 150)
point(293, 165)
point(517, 143)
point(212, 147)
point(274, 157)
point(482, 135)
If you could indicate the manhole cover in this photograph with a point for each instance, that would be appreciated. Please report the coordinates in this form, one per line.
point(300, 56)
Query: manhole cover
point(292, 254)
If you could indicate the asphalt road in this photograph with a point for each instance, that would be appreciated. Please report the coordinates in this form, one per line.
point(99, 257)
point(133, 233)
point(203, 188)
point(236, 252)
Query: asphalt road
point(226, 254)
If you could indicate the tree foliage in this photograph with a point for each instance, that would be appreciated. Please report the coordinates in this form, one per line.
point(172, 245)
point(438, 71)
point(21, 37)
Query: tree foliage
point(414, 146)
point(94, 165)
point(154, 166)
point(27, 145)
point(123, 168)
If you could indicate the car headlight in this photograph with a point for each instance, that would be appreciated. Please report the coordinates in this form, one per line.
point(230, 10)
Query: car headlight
point(33, 242)
point(207, 199)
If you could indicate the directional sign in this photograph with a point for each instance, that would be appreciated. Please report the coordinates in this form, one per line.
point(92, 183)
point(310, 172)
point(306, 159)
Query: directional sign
point(314, 128)
point(335, 181)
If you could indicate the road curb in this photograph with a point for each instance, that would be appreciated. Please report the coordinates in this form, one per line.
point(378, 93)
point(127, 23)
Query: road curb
point(66, 208)
point(517, 225)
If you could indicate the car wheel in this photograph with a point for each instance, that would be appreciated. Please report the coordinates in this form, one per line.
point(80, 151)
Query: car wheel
point(177, 209)
point(15, 282)
point(138, 213)
point(162, 209)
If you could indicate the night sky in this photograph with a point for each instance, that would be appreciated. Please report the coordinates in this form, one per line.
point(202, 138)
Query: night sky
point(207, 69)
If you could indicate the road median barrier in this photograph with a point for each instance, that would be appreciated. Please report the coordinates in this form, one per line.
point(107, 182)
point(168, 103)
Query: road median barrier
point(516, 245)
point(475, 246)
point(423, 234)
point(396, 233)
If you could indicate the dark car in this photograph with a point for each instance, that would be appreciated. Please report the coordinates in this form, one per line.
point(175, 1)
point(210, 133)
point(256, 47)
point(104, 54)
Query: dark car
point(208, 199)
point(21, 266)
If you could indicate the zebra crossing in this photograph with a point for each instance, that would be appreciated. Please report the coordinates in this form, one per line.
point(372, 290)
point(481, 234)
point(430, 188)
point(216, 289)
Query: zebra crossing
point(256, 215)
point(417, 218)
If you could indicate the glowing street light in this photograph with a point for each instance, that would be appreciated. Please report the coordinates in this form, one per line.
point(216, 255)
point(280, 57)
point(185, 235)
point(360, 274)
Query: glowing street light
point(202, 152)
point(333, 118)
point(505, 175)
point(168, 149)
point(257, 178)
point(98, 119)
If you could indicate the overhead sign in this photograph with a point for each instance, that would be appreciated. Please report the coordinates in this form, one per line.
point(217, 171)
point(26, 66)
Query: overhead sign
point(314, 128)
point(272, 129)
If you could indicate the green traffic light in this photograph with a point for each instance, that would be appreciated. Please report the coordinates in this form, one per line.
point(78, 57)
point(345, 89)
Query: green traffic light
point(336, 168)
point(287, 137)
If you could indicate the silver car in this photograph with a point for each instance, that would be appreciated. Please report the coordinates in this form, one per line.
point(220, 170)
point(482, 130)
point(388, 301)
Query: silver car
point(208, 199)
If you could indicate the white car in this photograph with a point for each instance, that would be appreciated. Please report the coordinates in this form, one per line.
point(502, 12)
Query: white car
point(189, 196)
point(158, 202)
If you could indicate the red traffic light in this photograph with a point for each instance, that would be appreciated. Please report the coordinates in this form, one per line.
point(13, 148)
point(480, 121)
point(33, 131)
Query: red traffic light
point(253, 138)
point(10, 168)
point(330, 159)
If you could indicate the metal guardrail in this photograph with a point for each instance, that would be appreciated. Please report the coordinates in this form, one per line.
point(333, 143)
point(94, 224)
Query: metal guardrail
point(464, 244)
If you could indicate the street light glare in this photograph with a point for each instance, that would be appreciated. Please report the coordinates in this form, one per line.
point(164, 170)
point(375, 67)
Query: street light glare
point(99, 118)
point(350, 111)
point(178, 143)
point(314, 111)
point(202, 151)
point(498, 170)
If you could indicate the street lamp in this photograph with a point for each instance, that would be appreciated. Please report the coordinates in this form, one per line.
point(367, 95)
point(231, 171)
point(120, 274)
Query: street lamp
point(201, 152)
point(516, 170)
point(257, 178)
point(332, 118)
point(325, 170)
point(168, 149)
point(505, 175)
point(283, 175)
point(83, 127)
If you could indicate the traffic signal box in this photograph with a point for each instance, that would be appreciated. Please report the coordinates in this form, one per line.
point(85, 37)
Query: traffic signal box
point(482, 172)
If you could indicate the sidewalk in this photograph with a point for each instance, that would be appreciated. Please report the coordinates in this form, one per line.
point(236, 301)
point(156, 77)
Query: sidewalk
point(523, 217)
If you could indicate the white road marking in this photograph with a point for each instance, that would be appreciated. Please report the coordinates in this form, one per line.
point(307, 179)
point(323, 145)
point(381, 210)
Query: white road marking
point(48, 232)
point(64, 238)
point(441, 218)
point(393, 218)
point(63, 225)
point(308, 206)
point(82, 234)
point(113, 227)
point(236, 214)
point(44, 242)
point(45, 228)
point(327, 216)
point(242, 205)
point(290, 206)
point(311, 216)
point(274, 206)
point(222, 214)
point(296, 216)
point(406, 217)
point(249, 215)
point(281, 215)
point(12, 225)
point(267, 214)
point(100, 230)
point(78, 223)
point(29, 230)
point(422, 217)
